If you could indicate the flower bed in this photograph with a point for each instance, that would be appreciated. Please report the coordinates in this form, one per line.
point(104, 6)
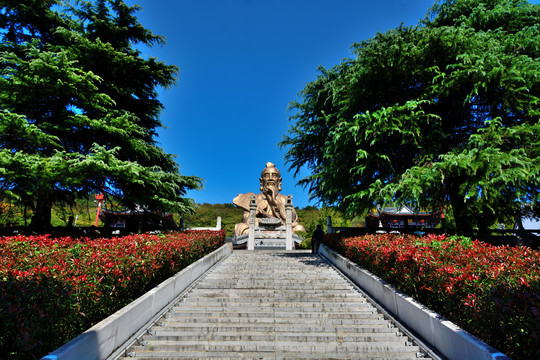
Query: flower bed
point(492, 292)
point(51, 290)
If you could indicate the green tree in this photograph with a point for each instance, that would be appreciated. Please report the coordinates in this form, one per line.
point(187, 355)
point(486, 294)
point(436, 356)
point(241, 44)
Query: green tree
point(310, 217)
point(444, 113)
point(79, 111)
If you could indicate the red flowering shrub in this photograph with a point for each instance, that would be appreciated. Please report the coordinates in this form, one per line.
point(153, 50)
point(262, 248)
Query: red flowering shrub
point(492, 292)
point(51, 290)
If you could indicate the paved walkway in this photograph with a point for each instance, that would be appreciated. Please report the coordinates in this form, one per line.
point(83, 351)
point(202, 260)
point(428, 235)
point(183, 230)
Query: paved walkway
point(274, 305)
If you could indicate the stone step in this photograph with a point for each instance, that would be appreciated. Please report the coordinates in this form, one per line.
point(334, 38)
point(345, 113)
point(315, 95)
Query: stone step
point(276, 321)
point(259, 355)
point(277, 315)
point(244, 275)
point(269, 305)
point(194, 355)
point(329, 301)
point(267, 346)
point(285, 275)
point(223, 305)
point(278, 285)
point(292, 289)
point(249, 293)
point(246, 342)
point(286, 307)
point(381, 327)
point(272, 336)
point(276, 275)
point(293, 280)
point(317, 300)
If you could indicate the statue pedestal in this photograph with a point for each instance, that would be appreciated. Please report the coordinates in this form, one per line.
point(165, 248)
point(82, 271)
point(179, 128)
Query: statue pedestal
point(266, 243)
point(270, 234)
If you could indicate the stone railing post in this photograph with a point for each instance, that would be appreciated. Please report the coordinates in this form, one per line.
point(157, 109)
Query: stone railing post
point(288, 233)
point(252, 210)
point(329, 229)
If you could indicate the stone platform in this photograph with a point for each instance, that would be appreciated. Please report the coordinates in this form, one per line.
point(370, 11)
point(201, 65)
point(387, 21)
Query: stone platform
point(265, 243)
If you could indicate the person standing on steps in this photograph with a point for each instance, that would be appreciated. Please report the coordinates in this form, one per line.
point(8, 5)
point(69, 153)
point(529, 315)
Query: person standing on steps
point(316, 239)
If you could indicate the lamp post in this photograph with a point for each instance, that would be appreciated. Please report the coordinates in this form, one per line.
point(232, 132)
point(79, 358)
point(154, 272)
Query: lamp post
point(99, 199)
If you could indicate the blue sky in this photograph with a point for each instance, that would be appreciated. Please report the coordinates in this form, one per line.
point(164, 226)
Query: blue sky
point(241, 63)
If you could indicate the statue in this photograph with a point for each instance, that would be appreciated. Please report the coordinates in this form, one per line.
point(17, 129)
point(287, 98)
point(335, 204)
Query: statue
point(270, 203)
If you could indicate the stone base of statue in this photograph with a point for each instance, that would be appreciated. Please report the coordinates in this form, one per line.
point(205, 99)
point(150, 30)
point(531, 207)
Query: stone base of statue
point(267, 238)
point(269, 233)
point(241, 242)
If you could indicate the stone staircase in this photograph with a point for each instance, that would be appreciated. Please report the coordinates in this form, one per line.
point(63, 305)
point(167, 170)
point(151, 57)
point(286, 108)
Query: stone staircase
point(274, 305)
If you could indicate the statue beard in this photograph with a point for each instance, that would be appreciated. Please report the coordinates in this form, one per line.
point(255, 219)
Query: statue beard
point(273, 190)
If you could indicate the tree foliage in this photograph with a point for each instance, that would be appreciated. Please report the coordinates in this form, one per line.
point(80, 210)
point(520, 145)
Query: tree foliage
point(444, 113)
point(79, 108)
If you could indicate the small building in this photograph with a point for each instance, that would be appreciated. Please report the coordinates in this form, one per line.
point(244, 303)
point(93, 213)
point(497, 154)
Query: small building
point(132, 220)
point(402, 218)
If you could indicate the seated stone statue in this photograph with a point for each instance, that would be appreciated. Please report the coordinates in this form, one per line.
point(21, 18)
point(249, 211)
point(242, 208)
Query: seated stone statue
point(270, 203)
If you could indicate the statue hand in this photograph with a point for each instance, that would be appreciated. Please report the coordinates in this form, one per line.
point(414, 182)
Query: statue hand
point(269, 192)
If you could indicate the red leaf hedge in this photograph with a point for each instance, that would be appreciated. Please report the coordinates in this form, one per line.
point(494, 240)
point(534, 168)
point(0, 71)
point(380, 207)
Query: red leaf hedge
point(51, 290)
point(492, 292)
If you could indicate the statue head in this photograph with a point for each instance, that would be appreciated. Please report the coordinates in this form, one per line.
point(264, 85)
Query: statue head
point(270, 177)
